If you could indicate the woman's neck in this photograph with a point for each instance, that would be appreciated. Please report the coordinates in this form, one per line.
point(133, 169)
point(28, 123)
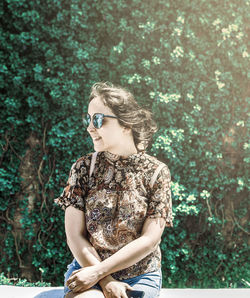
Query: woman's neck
point(125, 148)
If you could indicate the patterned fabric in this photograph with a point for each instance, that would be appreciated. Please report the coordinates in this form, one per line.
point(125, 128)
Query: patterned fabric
point(116, 200)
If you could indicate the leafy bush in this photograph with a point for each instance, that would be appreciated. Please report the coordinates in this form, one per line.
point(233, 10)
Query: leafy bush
point(188, 61)
point(21, 282)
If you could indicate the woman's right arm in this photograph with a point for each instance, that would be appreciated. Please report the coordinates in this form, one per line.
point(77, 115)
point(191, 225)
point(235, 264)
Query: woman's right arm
point(76, 233)
point(85, 253)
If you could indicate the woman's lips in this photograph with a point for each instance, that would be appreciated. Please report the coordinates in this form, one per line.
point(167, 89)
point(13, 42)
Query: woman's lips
point(96, 138)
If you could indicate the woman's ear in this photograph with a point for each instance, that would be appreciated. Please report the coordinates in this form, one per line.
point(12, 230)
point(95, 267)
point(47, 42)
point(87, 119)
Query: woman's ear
point(127, 130)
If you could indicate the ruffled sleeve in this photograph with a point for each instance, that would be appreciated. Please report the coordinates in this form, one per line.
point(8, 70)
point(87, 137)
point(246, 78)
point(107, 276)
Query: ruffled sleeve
point(77, 186)
point(160, 201)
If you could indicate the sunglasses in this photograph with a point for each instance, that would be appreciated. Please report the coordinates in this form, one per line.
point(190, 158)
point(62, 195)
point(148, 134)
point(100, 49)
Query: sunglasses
point(97, 119)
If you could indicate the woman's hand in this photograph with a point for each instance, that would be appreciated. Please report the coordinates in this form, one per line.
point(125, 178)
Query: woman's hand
point(83, 279)
point(114, 289)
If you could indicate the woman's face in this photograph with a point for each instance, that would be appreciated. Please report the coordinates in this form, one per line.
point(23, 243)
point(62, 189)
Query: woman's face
point(110, 136)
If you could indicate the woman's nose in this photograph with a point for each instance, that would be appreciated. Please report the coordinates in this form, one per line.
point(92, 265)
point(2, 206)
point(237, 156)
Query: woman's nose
point(91, 127)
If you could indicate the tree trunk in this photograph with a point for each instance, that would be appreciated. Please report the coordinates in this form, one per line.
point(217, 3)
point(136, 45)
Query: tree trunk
point(29, 192)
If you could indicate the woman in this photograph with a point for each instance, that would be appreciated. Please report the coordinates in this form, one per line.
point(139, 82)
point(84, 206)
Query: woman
point(117, 202)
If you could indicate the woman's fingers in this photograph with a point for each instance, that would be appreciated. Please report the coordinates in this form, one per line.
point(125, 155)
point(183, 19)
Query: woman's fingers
point(129, 287)
point(77, 289)
point(76, 271)
point(124, 294)
point(124, 291)
point(72, 285)
point(71, 279)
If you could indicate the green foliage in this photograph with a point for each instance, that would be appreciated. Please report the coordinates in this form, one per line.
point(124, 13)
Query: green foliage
point(188, 61)
point(21, 282)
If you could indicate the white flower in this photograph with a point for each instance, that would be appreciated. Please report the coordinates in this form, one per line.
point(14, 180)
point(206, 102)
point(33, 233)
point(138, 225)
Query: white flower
point(220, 85)
point(216, 22)
point(240, 123)
point(178, 52)
point(205, 194)
point(181, 19)
point(217, 73)
point(245, 54)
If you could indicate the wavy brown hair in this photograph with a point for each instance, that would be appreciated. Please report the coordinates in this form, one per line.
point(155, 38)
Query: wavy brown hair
point(128, 112)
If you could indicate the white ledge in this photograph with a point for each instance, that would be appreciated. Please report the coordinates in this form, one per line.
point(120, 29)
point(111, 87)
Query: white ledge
point(57, 292)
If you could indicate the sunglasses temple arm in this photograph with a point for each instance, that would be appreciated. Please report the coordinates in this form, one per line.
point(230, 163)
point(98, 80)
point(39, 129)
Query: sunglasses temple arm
point(108, 116)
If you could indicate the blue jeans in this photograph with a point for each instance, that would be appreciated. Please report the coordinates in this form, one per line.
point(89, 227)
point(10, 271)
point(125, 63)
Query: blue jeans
point(150, 282)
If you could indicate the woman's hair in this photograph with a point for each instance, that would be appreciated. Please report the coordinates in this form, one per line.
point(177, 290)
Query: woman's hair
point(129, 113)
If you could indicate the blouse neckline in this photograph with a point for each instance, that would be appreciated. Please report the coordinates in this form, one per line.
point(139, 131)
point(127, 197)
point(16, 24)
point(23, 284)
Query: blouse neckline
point(113, 158)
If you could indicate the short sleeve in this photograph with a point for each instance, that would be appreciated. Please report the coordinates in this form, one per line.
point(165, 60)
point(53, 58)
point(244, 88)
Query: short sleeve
point(77, 186)
point(160, 201)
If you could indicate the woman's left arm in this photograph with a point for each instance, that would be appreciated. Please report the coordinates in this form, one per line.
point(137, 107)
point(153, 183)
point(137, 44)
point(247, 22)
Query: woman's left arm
point(136, 250)
point(128, 255)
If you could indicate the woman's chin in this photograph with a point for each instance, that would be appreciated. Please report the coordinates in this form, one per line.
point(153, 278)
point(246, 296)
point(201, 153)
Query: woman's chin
point(98, 147)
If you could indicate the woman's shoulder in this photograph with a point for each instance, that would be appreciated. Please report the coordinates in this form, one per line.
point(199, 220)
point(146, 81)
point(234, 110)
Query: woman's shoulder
point(155, 170)
point(153, 162)
point(157, 166)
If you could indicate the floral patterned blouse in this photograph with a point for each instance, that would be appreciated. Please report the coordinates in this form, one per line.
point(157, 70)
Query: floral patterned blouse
point(116, 200)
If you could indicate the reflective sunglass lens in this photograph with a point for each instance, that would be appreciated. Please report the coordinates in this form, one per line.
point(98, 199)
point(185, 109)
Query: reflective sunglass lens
point(86, 120)
point(97, 120)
